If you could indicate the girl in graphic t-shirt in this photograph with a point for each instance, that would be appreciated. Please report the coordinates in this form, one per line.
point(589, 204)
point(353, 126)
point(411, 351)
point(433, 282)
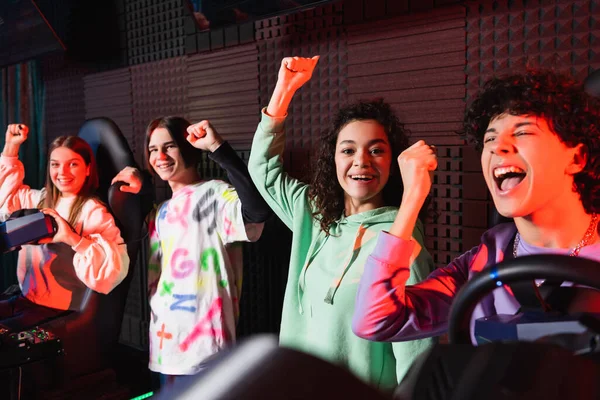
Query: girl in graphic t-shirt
point(194, 275)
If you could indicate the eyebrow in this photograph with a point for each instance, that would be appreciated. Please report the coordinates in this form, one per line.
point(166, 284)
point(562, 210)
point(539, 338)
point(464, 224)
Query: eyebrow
point(152, 146)
point(520, 124)
point(72, 159)
point(372, 142)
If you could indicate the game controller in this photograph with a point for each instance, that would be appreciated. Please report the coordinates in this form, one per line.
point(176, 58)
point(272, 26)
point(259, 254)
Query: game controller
point(24, 227)
point(27, 346)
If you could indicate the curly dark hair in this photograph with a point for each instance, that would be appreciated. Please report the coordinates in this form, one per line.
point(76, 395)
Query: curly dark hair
point(328, 198)
point(572, 114)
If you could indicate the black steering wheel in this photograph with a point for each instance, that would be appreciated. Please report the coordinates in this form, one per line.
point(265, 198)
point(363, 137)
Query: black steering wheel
point(577, 270)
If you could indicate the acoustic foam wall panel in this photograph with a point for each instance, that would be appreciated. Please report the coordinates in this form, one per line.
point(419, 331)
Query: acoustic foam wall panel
point(507, 37)
point(65, 107)
point(155, 29)
point(309, 33)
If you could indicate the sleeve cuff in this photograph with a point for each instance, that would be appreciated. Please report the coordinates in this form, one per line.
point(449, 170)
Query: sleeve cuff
point(82, 245)
point(224, 151)
point(271, 124)
point(392, 249)
point(8, 159)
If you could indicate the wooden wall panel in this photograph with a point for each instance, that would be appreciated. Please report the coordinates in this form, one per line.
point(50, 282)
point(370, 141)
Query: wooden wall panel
point(223, 88)
point(416, 63)
point(109, 94)
point(159, 89)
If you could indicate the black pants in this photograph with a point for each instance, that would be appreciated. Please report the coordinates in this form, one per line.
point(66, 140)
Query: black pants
point(18, 313)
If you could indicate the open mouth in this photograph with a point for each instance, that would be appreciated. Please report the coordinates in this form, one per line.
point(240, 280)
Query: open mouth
point(508, 178)
point(362, 178)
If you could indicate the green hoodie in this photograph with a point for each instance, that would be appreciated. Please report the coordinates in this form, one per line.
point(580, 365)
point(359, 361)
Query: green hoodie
point(325, 270)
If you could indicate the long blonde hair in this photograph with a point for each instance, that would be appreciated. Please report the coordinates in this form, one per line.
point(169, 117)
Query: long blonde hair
point(90, 184)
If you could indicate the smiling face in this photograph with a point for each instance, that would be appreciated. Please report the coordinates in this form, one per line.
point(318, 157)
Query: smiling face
point(526, 166)
point(166, 159)
point(68, 171)
point(362, 159)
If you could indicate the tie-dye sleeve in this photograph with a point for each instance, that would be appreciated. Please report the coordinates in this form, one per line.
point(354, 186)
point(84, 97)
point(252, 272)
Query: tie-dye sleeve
point(230, 221)
point(14, 195)
point(154, 261)
point(101, 260)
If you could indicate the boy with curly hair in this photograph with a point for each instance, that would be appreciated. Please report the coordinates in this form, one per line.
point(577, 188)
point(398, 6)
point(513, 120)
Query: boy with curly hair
point(540, 157)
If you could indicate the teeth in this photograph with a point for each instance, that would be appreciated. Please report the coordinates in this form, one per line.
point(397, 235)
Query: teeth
point(361, 176)
point(498, 172)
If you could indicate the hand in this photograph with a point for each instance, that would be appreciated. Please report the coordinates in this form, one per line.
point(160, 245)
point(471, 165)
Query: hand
point(65, 233)
point(295, 72)
point(203, 136)
point(132, 178)
point(417, 164)
point(16, 134)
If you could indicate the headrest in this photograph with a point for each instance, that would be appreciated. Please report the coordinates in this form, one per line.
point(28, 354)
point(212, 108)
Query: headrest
point(110, 148)
point(592, 83)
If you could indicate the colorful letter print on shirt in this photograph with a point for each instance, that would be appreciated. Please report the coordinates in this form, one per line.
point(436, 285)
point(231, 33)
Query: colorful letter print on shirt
point(194, 276)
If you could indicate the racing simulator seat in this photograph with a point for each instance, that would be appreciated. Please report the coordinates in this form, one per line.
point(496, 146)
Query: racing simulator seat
point(552, 366)
point(45, 359)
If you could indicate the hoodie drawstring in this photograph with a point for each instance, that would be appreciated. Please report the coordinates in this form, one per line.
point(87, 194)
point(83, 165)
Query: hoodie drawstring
point(346, 266)
point(313, 250)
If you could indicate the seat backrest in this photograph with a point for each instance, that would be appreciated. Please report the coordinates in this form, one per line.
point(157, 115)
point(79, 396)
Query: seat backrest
point(495, 218)
point(100, 319)
point(110, 148)
point(592, 83)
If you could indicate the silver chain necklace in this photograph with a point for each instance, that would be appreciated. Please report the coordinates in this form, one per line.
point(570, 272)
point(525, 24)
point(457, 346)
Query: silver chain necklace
point(589, 234)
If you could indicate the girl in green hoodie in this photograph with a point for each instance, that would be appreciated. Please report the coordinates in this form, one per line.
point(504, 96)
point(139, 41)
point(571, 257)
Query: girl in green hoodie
point(354, 194)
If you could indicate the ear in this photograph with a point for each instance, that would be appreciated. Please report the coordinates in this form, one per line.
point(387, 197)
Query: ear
point(87, 171)
point(579, 159)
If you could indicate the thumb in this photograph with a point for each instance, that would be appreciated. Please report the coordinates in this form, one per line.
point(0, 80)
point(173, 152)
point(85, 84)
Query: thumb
point(432, 164)
point(127, 189)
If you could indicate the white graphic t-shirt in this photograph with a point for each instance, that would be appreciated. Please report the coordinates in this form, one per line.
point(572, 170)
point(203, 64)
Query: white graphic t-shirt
point(194, 283)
